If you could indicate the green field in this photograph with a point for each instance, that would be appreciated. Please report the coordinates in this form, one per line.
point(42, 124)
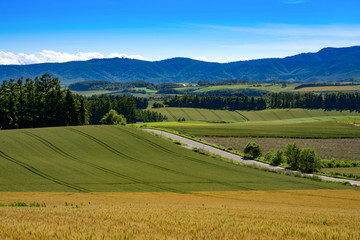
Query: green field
point(265, 87)
point(93, 92)
point(288, 129)
point(345, 170)
point(339, 149)
point(198, 114)
point(122, 159)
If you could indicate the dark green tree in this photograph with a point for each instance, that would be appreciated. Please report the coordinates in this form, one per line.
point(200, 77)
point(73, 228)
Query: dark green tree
point(252, 150)
point(292, 153)
point(113, 118)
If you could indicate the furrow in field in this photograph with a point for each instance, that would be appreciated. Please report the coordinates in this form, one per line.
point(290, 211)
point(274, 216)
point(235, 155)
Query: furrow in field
point(170, 113)
point(109, 148)
point(215, 113)
point(184, 157)
point(175, 153)
point(186, 114)
point(231, 115)
point(50, 145)
point(68, 156)
point(242, 115)
point(42, 174)
point(202, 115)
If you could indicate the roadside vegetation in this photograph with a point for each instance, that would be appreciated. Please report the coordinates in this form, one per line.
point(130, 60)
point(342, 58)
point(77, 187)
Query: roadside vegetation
point(343, 149)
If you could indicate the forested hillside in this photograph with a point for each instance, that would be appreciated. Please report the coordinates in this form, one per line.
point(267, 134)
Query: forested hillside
point(326, 65)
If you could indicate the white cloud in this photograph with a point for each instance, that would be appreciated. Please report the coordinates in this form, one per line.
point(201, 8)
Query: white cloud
point(123, 55)
point(47, 56)
point(201, 58)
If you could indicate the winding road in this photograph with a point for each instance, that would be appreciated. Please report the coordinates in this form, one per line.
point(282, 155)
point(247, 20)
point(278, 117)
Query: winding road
point(193, 144)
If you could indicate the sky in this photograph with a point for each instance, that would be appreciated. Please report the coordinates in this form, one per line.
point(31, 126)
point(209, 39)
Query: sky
point(39, 31)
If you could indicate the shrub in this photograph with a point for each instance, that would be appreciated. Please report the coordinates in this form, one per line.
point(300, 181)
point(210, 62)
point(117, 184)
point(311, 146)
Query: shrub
point(252, 149)
point(278, 157)
point(158, 105)
point(292, 153)
point(268, 156)
point(308, 160)
point(112, 117)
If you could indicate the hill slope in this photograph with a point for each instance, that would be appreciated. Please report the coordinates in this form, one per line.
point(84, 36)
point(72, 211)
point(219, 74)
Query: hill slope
point(123, 159)
point(209, 115)
point(327, 64)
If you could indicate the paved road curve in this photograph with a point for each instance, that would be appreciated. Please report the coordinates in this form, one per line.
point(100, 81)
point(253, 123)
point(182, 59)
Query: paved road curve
point(193, 144)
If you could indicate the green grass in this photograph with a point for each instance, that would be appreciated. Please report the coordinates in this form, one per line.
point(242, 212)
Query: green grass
point(290, 129)
point(93, 92)
point(198, 114)
point(347, 170)
point(345, 149)
point(122, 159)
point(265, 87)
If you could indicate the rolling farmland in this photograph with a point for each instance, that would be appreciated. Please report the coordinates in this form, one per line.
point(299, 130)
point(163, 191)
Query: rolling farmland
point(198, 114)
point(340, 149)
point(122, 159)
point(99, 182)
point(282, 129)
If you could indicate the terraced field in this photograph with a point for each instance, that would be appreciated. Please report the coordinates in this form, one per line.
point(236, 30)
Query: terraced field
point(198, 114)
point(122, 159)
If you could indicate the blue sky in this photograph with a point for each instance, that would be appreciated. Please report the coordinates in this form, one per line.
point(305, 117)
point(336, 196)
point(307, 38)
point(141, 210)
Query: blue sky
point(222, 31)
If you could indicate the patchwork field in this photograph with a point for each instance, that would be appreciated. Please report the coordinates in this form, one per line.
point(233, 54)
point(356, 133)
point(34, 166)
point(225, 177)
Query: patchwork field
point(294, 214)
point(122, 159)
point(348, 170)
point(198, 114)
point(340, 149)
point(265, 87)
point(116, 182)
point(282, 129)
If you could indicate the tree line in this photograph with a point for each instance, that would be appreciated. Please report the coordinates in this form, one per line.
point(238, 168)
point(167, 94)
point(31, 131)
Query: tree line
point(39, 103)
point(341, 101)
point(43, 103)
point(217, 102)
point(131, 108)
point(344, 101)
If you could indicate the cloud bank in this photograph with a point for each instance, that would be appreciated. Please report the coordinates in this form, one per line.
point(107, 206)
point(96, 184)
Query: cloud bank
point(47, 56)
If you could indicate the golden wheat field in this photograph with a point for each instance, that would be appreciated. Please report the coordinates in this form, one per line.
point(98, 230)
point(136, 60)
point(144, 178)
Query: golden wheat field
point(291, 214)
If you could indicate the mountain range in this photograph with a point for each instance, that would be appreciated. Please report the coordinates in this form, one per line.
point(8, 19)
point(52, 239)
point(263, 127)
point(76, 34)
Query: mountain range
point(328, 64)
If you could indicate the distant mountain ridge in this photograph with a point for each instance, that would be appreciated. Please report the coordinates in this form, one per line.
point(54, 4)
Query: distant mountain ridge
point(326, 65)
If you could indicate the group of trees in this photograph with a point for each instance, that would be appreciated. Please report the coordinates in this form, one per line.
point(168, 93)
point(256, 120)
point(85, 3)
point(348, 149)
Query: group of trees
point(130, 107)
point(303, 159)
point(216, 102)
point(39, 103)
point(315, 101)
point(120, 86)
point(43, 103)
point(349, 101)
point(111, 86)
